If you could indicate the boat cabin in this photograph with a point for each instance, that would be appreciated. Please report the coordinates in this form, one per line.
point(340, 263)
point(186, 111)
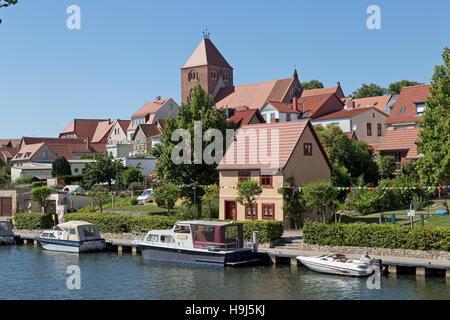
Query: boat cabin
point(6, 228)
point(74, 231)
point(209, 235)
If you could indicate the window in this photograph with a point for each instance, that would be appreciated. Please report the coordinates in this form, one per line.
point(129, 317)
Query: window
point(251, 212)
point(268, 211)
point(373, 115)
point(266, 181)
point(379, 129)
point(182, 229)
point(76, 170)
point(369, 129)
point(307, 149)
point(72, 231)
point(288, 117)
point(226, 76)
point(214, 75)
point(398, 156)
point(203, 233)
point(167, 239)
point(192, 76)
point(243, 176)
point(420, 108)
point(402, 110)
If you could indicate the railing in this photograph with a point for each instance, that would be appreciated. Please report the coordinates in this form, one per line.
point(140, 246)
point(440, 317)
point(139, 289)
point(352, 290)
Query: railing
point(219, 245)
point(422, 217)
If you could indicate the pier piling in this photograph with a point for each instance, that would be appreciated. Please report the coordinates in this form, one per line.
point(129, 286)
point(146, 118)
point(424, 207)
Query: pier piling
point(447, 274)
point(392, 269)
point(119, 249)
point(420, 272)
point(273, 259)
point(294, 262)
point(133, 250)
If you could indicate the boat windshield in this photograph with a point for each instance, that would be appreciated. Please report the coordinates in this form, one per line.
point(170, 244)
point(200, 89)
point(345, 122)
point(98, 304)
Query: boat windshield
point(4, 226)
point(204, 233)
point(146, 193)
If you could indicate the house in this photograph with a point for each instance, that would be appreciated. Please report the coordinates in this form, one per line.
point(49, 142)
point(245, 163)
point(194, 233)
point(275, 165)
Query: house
point(6, 155)
point(207, 67)
point(81, 129)
point(281, 111)
point(409, 107)
point(246, 116)
point(117, 142)
point(9, 143)
point(151, 112)
point(39, 152)
point(382, 103)
point(145, 137)
point(296, 153)
point(367, 123)
point(337, 90)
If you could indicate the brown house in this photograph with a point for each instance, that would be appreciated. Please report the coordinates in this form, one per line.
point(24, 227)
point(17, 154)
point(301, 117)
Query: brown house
point(144, 137)
point(297, 153)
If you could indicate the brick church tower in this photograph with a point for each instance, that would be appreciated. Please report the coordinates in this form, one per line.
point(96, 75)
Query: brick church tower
point(207, 67)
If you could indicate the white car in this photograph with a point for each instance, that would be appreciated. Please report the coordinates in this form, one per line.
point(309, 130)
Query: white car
point(145, 197)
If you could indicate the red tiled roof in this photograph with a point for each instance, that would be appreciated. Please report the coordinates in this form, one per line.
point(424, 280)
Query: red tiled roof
point(150, 107)
point(283, 107)
point(408, 98)
point(98, 147)
point(319, 105)
point(289, 134)
point(379, 102)
point(15, 143)
point(35, 140)
point(150, 130)
point(103, 129)
point(244, 116)
point(9, 153)
point(346, 113)
point(62, 150)
point(28, 151)
point(83, 128)
point(253, 95)
point(314, 92)
point(400, 140)
point(206, 53)
point(124, 124)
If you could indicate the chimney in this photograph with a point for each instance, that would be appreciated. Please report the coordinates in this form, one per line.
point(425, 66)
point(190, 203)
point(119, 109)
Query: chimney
point(87, 142)
point(274, 120)
point(109, 120)
point(295, 103)
point(158, 98)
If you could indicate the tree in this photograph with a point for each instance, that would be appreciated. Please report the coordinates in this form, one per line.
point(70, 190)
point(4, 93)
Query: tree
point(99, 196)
point(434, 138)
point(396, 87)
point(318, 195)
point(313, 84)
point(211, 194)
point(41, 196)
point(386, 167)
point(6, 3)
point(248, 191)
point(104, 170)
point(193, 170)
point(371, 90)
point(132, 174)
point(293, 203)
point(5, 174)
point(166, 196)
point(61, 167)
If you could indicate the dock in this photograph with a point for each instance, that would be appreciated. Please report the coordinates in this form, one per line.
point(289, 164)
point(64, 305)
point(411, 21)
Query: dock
point(391, 265)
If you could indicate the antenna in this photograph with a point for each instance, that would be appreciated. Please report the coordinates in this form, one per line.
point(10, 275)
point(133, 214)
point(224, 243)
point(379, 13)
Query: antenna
point(206, 34)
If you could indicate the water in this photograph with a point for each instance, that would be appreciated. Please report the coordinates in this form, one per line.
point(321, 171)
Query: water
point(32, 273)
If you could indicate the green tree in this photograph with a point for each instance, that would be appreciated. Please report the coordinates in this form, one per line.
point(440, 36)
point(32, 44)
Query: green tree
point(132, 174)
point(211, 194)
point(341, 176)
point(293, 203)
point(434, 138)
point(166, 196)
point(318, 195)
point(104, 170)
point(247, 192)
point(5, 174)
point(193, 170)
point(313, 84)
point(6, 3)
point(99, 196)
point(370, 90)
point(396, 87)
point(41, 196)
point(61, 167)
point(386, 167)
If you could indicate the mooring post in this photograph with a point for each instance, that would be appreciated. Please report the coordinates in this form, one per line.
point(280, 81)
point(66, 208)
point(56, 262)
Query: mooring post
point(294, 262)
point(25, 241)
point(119, 249)
point(35, 243)
point(134, 250)
point(420, 272)
point(392, 269)
point(273, 259)
point(255, 241)
point(447, 274)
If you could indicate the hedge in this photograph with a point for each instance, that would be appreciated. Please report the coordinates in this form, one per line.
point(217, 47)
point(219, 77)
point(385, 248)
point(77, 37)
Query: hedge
point(118, 223)
point(390, 236)
point(32, 221)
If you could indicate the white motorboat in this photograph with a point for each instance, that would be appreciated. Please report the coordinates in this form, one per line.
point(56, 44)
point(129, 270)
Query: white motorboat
point(208, 243)
point(340, 264)
point(72, 236)
point(6, 232)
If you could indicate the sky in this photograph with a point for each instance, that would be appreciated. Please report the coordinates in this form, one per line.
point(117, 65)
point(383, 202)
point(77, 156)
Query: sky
point(129, 52)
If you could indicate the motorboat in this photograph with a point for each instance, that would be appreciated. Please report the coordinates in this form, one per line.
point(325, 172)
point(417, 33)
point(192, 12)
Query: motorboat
point(145, 197)
point(6, 232)
point(341, 265)
point(209, 243)
point(72, 236)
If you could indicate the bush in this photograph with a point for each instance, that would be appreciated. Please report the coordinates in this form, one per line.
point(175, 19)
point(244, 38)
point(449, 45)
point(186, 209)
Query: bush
point(268, 230)
point(39, 184)
point(133, 201)
point(32, 221)
point(72, 180)
point(377, 236)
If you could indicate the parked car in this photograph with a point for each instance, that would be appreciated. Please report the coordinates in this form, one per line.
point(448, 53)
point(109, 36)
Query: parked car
point(145, 197)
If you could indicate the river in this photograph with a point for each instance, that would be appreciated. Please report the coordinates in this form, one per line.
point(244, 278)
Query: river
point(29, 272)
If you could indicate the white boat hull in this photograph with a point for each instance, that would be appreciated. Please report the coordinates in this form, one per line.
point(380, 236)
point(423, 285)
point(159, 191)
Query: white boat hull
point(338, 268)
point(72, 246)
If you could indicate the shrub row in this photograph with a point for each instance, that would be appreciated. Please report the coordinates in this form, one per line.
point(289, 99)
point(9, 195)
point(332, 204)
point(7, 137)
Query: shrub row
point(32, 221)
point(117, 223)
point(377, 236)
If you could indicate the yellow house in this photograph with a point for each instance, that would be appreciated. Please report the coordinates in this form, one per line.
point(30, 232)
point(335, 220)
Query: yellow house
point(270, 153)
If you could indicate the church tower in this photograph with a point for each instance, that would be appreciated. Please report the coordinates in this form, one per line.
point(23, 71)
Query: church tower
point(207, 67)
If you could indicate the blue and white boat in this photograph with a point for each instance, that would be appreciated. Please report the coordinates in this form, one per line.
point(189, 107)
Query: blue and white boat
point(72, 236)
point(6, 232)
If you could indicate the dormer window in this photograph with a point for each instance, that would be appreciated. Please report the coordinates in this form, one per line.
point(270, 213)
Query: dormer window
point(402, 110)
point(420, 108)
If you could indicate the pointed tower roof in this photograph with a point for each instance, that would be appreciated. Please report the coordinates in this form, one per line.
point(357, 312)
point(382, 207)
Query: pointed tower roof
point(206, 53)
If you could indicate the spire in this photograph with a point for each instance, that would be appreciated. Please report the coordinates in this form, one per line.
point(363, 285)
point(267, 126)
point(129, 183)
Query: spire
point(206, 34)
point(295, 74)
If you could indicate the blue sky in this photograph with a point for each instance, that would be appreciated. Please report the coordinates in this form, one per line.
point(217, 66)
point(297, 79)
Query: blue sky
point(129, 52)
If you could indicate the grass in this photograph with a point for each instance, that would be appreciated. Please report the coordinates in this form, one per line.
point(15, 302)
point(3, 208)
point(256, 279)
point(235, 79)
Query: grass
point(139, 208)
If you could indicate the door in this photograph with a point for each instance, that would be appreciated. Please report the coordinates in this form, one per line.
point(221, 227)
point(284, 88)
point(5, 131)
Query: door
point(6, 207)
point(230, 210)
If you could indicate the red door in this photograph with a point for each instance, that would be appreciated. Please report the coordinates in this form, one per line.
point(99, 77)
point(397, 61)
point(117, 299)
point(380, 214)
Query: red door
point(6, 207)
point(230, 210)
